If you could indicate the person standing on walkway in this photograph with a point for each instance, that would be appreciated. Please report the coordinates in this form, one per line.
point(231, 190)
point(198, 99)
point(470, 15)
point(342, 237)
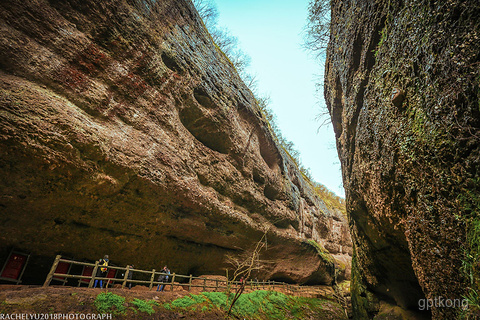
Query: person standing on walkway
point(102, 270)
point(163, 278)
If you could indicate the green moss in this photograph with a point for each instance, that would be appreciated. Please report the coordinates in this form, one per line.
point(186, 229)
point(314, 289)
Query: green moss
point(344, 287)
point(364, 303)
point(383, 36)
point(478, 92)
point(341, 265)
point(322, 252)
point(470, 204)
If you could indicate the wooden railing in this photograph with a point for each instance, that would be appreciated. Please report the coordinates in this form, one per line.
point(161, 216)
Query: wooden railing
point(218, 285)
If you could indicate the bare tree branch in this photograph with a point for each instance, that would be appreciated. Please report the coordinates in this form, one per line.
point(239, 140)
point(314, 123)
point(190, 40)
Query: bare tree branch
point(244, 264)
point(318, 27)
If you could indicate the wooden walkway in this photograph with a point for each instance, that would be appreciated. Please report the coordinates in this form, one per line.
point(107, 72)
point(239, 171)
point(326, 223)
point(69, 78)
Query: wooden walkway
point(61, 269)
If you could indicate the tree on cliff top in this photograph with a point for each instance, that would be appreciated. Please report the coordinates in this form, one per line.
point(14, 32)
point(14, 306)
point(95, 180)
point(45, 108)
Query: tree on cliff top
point(222, 37)
point(317, 30)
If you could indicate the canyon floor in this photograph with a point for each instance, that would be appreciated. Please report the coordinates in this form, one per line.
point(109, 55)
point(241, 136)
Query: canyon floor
point(37, 300)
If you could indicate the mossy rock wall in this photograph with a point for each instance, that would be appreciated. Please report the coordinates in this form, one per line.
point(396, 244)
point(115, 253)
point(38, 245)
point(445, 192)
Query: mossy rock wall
point(402, 87)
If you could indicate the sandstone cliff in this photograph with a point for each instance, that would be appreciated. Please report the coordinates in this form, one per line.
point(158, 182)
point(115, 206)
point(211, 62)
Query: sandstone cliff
point(402, 87)
point(125, 130)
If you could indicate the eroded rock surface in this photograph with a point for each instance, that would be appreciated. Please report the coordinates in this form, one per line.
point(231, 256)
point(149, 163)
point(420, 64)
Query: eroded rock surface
point(124, 130)
point(402, 87)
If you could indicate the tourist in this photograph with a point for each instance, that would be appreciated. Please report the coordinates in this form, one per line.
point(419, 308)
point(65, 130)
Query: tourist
point(163, 278)
point(101, 270)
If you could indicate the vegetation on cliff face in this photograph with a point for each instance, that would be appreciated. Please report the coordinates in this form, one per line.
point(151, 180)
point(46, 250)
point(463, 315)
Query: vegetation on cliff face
point(402, 87)
point(438, 69)
point(228, 44)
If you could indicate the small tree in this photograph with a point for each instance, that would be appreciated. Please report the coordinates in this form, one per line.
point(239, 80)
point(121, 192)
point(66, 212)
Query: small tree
point(244, 264)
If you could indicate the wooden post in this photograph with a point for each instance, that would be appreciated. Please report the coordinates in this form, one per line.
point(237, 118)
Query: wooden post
point(216, 286)
point(68, 272)
point(94, 274)
point(190, 283)
point(23, 270)
point(152, 278)
point(173, 280)
point(52, 271)
point(124, 283)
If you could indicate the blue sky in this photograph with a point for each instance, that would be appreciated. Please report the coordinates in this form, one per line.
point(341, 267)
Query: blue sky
point(271, 33)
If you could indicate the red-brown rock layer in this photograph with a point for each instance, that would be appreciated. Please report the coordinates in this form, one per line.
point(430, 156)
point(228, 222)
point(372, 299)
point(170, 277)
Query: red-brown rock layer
point(124, 130)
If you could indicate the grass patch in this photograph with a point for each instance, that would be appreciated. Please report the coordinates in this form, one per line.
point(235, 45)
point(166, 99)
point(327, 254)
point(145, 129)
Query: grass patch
point(261, 304)
point(110, 303)
point(145, 306)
